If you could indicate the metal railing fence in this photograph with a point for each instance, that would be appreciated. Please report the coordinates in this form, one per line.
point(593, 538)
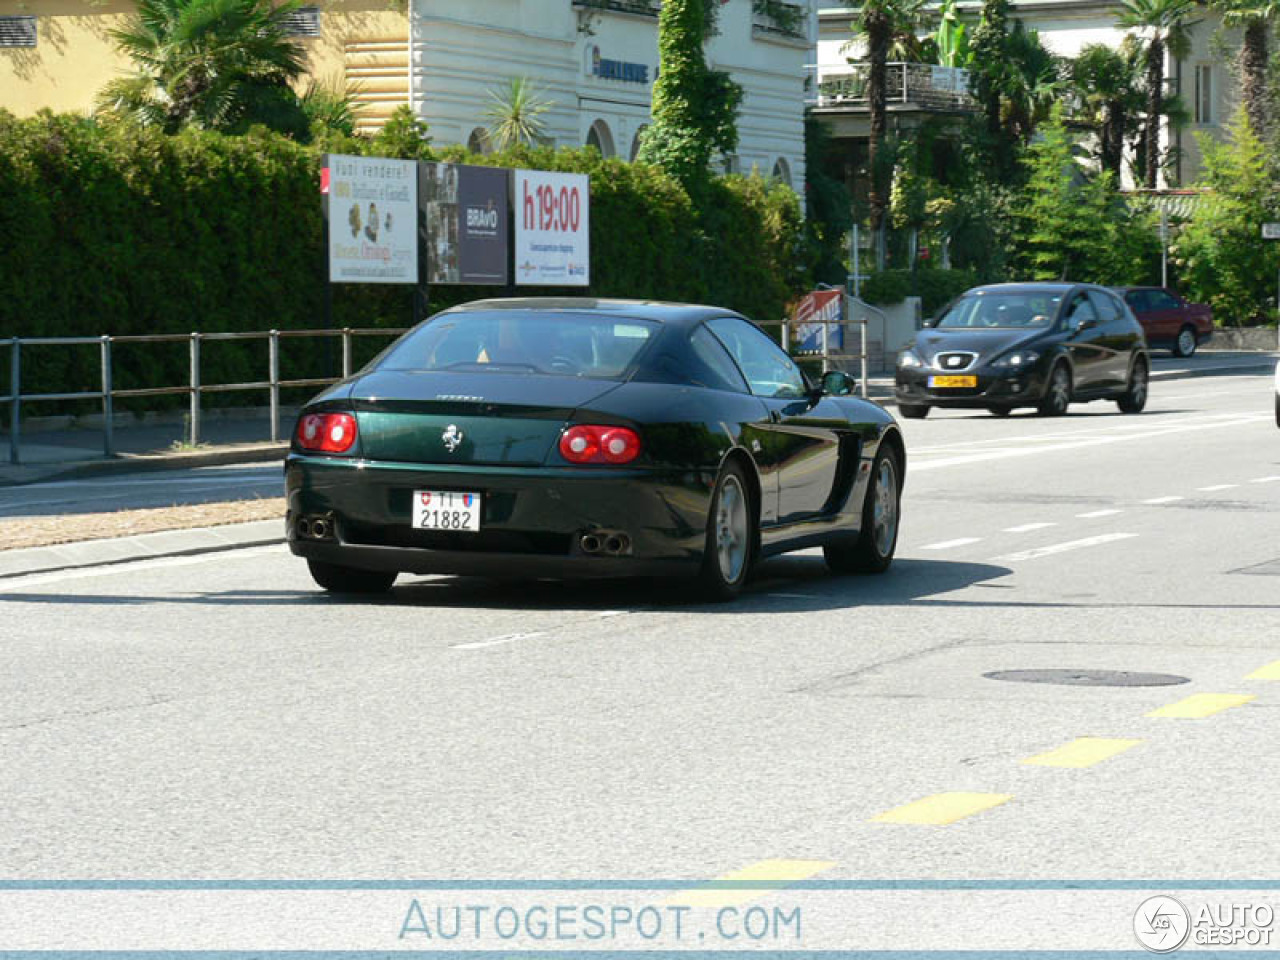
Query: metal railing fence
point(195, 387)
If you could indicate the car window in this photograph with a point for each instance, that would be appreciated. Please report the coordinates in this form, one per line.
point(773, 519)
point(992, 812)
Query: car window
point(1159, 300)
point(1107, 306)
point(769, 371)
point(1081, 312)
point(1036, 308)
point(716, 368)
point(1137, 300)
point(542, 341)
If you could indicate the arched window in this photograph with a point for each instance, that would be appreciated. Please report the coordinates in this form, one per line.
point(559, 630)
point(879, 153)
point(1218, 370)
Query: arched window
point(478, 142)
point(782, 171)
point(600, 138)
point(635, 143)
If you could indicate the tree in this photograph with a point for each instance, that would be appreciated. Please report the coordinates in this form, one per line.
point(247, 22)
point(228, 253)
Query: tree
point(1166, 26)
point(1219, 256)
point(1257, 17)
point(1109, 90)
point(882, 22)
point(515, 114)
point(216, 64)
point(695, 109)
point(1075, 226)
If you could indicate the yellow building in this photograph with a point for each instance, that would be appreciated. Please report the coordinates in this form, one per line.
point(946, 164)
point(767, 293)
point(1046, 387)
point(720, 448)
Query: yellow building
point(58, 53)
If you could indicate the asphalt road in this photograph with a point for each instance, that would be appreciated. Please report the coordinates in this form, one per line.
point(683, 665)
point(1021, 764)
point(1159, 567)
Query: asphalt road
point(216, 717)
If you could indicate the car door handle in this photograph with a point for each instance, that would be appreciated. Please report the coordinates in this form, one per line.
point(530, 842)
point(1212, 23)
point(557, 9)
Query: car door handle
point(775, 416)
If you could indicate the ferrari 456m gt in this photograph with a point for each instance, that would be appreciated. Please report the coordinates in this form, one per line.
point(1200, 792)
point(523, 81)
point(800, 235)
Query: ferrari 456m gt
point(549, 438)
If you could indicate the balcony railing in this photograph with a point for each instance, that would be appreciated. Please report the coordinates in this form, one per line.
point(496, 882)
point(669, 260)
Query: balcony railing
point(919, 84)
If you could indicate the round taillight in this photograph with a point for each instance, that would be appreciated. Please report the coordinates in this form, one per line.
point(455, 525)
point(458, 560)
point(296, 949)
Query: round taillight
point(327, 432)
point(588, 443)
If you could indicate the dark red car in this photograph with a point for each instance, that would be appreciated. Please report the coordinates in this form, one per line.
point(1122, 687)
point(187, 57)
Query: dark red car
point(1168, 320)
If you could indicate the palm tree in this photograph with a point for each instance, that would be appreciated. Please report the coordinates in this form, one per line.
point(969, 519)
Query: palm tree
point(1166, 25)
point(1108, 86)
point(515, 114)
point(883, 22)
point(1257, 17)
point(210, 63)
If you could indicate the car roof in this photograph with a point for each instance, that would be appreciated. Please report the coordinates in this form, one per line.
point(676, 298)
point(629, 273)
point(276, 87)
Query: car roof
point(1031, 286)
point(655, 310)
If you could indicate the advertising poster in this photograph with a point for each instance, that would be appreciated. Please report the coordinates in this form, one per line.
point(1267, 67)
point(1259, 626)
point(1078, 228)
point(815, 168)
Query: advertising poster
point(818, 309)
point(373, 215)
point(553, 229)
point(466, 232)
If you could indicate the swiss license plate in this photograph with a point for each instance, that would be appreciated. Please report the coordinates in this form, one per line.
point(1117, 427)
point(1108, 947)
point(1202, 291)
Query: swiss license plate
point(953, 382)
point(446, 510)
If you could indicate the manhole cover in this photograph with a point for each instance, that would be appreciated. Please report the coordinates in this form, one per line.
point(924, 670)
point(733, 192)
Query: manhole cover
point(1089, 678)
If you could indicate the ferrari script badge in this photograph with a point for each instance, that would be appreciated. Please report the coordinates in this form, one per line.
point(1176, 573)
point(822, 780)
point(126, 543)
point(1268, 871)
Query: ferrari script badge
point(452, 437)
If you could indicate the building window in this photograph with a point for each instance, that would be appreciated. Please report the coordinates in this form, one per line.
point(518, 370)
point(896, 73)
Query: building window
point(17, 31)
point(636, 141)
point(782, 171)
point(600, 138)
point(731, 163)
point(303, 22)
point(1204, 93)
point(478, 142)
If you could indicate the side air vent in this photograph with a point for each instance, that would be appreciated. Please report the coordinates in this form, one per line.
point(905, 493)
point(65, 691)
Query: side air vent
point(17, 31)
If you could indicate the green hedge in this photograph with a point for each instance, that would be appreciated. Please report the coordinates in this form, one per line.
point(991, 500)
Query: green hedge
point(115, 229)
point(936, 288)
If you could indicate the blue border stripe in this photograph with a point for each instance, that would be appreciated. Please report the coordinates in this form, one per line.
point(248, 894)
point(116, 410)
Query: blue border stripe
point(651, 885)
point(606, 954)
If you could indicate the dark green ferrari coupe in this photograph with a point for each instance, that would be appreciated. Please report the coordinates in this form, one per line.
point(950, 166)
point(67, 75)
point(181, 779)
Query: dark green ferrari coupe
point(588, 438)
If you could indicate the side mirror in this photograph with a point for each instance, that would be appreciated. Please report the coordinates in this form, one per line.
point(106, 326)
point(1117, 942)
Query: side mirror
point(837, 383)
point(929, 322)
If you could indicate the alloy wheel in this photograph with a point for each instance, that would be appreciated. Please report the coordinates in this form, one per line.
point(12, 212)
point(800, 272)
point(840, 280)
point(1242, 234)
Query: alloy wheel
point(885, 515)
point(733, 530)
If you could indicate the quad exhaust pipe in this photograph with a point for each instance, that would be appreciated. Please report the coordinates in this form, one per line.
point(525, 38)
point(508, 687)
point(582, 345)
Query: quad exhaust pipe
point(605, 544)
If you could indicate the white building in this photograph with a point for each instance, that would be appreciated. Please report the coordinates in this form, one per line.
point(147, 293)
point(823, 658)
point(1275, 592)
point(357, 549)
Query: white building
point(596, 61)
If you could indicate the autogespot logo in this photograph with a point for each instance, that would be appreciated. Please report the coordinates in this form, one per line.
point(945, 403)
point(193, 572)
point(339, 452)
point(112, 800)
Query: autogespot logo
point(1161, 924)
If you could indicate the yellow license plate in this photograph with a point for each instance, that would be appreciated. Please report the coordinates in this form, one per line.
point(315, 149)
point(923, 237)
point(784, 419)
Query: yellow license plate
point(953, 381)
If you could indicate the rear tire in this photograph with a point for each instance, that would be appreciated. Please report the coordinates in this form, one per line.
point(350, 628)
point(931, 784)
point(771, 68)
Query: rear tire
point(1185, 345)
point(1134, 397)
point(730, 546)
point(873, 551)
point(913, 411)
point(336, 578)
point(1057, 394)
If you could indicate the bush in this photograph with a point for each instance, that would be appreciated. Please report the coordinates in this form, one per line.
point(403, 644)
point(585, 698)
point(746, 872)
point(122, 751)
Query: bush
point(935, 288)
point(121, 230)
point(1221, 260)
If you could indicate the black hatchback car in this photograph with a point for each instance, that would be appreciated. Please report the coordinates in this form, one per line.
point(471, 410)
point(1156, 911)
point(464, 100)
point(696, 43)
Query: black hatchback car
point(1042, 345)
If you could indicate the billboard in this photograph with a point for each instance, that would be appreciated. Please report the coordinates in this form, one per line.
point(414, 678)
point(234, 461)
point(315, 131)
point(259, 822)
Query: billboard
point(817, 310)
point(553, 229)
point(373, 215)
point(465, 223)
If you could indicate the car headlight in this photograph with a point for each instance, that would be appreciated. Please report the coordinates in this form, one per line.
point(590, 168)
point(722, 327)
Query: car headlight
point(1017, 360)
point(909, 358)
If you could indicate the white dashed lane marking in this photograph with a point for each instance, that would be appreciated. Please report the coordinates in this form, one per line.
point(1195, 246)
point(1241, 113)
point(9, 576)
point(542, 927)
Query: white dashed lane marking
point(1095, 514)
point(1028, 527)
point(1057, 548)
point(948, 544)
point(497, 641)
point(1265, 480)
point(1157, 500)
point(1218, 486)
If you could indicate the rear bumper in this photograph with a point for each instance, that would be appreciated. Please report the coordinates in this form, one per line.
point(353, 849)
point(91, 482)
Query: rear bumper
point(1025, 388)
point(531, 523)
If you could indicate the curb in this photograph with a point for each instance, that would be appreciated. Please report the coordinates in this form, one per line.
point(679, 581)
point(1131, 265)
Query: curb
point(146, 546)
point(143, 463)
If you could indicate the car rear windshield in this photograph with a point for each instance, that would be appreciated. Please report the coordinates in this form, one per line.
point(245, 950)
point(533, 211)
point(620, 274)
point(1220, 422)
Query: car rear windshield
point(505, 341)
point(1032, 308)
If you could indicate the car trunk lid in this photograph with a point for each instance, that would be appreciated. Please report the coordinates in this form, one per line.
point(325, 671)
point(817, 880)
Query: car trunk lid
point(461, 418)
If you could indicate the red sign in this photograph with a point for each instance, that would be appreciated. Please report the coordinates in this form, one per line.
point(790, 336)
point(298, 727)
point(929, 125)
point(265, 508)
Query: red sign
point(820, 306)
